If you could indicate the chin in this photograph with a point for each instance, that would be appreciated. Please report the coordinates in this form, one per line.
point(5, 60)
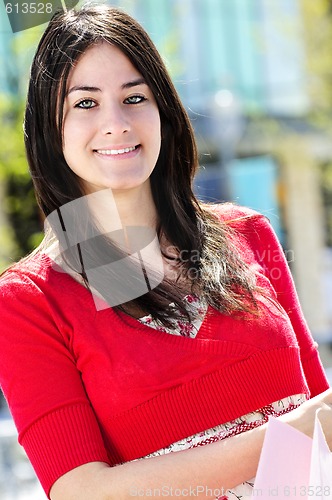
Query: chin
point(130, 184)
point(118, 184)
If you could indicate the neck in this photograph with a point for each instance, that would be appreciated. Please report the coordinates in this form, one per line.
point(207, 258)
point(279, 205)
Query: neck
point(116, 209)
point(136, 207)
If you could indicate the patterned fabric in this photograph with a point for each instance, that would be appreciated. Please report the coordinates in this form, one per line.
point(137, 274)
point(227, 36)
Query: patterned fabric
point(182, 326)
point(223, 431)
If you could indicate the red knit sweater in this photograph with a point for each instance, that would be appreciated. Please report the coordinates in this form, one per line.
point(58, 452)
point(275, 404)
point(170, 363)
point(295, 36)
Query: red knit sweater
point(86, 385)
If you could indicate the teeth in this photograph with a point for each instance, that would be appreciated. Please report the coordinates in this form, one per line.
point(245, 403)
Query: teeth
point(115, 151)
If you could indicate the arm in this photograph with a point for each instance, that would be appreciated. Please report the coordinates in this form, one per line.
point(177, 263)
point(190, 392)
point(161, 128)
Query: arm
point(44, 391)
point(270, 253)
point(217, 466)
point(265, 249)
point(203, 471)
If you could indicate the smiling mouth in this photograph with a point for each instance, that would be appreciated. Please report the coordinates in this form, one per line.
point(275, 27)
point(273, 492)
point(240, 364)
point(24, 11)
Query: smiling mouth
point(116, 152)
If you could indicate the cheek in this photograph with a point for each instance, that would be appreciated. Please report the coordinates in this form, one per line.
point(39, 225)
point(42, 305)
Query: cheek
point(154, 129)
point(74, 132)
point(72, 141)
point(68, 131)
point(151, 119)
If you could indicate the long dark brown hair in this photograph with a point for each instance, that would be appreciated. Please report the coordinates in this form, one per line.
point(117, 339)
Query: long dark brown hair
point(221, 277)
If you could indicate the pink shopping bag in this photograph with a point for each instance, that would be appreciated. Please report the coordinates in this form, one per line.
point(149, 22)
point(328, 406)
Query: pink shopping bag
point(292, 465)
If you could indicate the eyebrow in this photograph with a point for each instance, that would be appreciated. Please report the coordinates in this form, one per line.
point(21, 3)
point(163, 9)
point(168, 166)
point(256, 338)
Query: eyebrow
point(87, 88)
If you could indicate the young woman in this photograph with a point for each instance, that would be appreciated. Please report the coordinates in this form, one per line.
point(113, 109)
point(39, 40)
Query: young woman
point(115, 399)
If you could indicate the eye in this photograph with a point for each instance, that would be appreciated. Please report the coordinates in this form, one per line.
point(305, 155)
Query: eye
point(135, 99)
point(85, 104)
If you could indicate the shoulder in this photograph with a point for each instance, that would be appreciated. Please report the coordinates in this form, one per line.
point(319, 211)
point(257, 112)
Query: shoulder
point(37, 283)
point(34, 276)
point(23, 287)
point(31, 268)
point(245, 223)
point(36, 298)
point(236, 215)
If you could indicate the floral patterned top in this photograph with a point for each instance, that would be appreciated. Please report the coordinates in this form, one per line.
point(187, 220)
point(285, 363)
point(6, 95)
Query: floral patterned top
point(182, 326)
point(246, 422)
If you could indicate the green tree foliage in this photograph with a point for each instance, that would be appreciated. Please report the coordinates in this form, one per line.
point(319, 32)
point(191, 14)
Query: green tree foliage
point(326, 175)
point(20, 220)
point(21, 226)
point(317, 23)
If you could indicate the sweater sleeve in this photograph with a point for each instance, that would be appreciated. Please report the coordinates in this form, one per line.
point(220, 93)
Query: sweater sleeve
point(271, 256)
point(55, 422)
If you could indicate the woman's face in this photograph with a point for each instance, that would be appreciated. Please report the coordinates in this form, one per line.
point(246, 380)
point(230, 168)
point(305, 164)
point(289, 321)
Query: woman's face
point(111, 125)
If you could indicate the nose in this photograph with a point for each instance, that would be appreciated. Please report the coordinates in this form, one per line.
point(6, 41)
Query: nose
point(114, 121)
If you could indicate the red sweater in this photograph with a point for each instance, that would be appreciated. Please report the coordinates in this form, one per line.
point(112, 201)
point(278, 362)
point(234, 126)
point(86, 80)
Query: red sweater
point(86, 385)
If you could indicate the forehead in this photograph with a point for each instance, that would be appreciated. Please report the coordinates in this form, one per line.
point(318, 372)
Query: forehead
point(102, 63)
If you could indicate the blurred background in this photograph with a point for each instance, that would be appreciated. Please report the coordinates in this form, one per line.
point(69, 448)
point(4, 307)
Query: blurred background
point(256, 79)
